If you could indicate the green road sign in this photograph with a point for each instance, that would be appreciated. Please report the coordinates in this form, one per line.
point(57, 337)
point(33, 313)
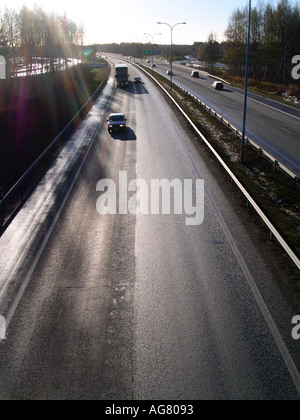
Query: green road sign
point(147, 52)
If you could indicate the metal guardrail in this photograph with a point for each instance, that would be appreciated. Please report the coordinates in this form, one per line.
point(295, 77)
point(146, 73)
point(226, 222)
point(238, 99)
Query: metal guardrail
point(13, 201)
point(250, 200)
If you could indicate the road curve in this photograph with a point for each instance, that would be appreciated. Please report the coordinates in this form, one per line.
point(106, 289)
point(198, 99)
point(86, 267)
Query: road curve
point(143, 306)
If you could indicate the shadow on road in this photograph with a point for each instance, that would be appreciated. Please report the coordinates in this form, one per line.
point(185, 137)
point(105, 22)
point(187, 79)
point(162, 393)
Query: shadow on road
point(127, 135)
point(137, 89)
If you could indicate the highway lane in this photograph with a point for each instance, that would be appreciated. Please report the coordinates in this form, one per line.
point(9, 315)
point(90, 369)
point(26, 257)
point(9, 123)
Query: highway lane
point(200, 339)
point(123, 307)
point(64, 346)
point(273, 126)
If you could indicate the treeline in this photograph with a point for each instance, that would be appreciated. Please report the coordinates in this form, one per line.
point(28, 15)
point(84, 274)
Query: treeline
point(27, 34)
point(136, 49)
point(275, 40)
point(211, 51)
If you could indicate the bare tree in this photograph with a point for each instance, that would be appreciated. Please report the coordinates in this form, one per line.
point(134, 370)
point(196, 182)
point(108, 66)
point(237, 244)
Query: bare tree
point(212, 51)
point(275, 39)
point(10, 33)
point(37, 35)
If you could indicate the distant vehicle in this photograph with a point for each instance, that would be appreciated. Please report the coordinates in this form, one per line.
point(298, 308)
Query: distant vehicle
point(122, 75)
point(148, 61)
point(137, 80)
point(116, 122)
point(170, 73)
point(195, 74)
point(153, 66)
point(218, 86)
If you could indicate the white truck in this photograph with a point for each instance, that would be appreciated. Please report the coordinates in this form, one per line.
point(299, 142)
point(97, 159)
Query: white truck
point(122, 75)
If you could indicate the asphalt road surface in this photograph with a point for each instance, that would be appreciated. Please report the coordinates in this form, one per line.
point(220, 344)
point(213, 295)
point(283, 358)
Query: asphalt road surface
point(273, 126)
point(144, 306)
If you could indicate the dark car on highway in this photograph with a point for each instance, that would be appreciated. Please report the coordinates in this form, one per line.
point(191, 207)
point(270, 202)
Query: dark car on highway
point(116, 122)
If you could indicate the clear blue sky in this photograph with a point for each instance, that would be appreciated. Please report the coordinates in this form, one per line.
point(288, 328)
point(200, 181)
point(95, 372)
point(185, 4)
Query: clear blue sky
point(128, 20)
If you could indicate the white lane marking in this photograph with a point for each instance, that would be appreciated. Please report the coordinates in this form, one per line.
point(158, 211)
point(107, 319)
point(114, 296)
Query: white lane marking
point(287, 131)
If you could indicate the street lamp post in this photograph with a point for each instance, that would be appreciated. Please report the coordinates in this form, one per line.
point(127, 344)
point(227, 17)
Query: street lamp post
point(172, 28)
point(141, 40)
point(152, 36)
point(246, 86)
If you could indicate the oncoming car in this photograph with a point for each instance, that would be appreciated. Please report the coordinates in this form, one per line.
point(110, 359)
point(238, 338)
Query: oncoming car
point(195, 74)
point(116, 122)
point(218, 86)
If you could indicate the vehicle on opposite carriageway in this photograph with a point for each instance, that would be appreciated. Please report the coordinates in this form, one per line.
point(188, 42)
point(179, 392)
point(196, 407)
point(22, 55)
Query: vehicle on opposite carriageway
point(218, 85)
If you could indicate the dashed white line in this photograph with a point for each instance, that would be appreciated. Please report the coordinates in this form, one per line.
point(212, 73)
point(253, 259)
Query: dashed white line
point(287, 131)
